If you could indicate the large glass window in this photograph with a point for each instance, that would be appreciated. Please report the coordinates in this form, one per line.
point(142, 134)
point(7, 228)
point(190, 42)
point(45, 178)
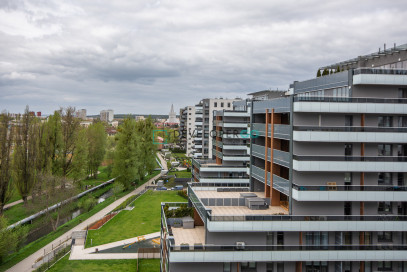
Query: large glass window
point(384, 150)
point(384, 207)
point(385, 266)
point(385, 121)
point(384, 236)
point(384, 179)
point(227, 267)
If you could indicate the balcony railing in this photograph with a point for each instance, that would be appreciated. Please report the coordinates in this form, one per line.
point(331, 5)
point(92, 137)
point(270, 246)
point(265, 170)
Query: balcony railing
point(351, 129)
point(378, 188)
point(351, 99)
point(212, 248)
point(351, 158)
point(380, 71)
point(307, 217)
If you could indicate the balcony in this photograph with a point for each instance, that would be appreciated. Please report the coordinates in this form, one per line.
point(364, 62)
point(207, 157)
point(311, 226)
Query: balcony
point(265, 253)
point(212, 166)
point(350, 134)
point(349, 163)
point(217, 179)
point(349, 193)
point(280, 131)
point(350, 105)
point(378, 76)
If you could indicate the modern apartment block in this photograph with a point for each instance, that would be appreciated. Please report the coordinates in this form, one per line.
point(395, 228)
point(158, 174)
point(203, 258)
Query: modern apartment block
point(204, 117)
point(183, 117)
point(106, 115)
point(327, 190)
point(231, 147)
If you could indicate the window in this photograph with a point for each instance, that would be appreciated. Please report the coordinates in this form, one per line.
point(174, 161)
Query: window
point(228, 105)
point(269, 267)
point(280, 267)
point(280, 238)
point(384, 236)
point(368, 238)
point(402, 91)
point(384, 179)
point(215, 104)
point(226, 267)
point(248, 265)
point(348, 120)
point(384, 266)
point(385, 121)
point(384, 207)
point(384, 150)
point(221, 104)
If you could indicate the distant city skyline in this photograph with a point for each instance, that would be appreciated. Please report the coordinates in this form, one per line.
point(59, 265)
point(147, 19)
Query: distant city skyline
point(139, 57)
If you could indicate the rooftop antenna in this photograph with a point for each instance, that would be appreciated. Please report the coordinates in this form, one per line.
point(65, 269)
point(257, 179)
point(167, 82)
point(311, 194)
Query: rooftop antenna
point(384, 47)
point(394, 46)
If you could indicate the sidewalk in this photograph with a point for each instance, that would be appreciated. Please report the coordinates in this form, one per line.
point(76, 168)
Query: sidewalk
point(79, 252)
point(26, 264)
point(163, 162)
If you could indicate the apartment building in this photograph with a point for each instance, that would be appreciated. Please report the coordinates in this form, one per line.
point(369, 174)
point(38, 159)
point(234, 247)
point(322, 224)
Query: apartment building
point(183, 117)
point(327, 189)
point(190, 130)
point(230, 149)
point(106, 115)
point(204, 117)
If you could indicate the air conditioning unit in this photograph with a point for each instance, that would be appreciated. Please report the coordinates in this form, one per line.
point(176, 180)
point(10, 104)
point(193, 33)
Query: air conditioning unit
point(240, 245)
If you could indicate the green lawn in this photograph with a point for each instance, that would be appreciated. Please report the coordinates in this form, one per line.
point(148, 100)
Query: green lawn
point(102, 177)
point(149, 265)
point(181, 174)
point(14, 197)
point(36, 245)
point(145, 265)
point(66, 265)
point(143, 219)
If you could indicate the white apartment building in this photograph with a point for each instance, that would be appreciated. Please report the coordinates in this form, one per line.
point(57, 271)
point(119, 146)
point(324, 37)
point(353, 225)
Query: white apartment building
point(107, 115)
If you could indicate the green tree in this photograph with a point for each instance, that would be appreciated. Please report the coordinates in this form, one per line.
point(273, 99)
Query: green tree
point(25, 157)
point(319, 73)
point(338, 69)
point(125, 158)
point(325, 72)
point(6, 141)
point(10, 239)
point(70, 128)
point(97, 147)
point(145, 148)
point(109, 155)
point(55, 142)
point(80, 160)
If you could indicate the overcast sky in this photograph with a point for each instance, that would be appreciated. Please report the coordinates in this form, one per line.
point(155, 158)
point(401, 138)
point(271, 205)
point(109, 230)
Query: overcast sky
point(141, 56)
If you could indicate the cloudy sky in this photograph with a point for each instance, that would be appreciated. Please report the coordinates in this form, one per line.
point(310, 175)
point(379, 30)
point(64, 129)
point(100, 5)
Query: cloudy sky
point(140, 56)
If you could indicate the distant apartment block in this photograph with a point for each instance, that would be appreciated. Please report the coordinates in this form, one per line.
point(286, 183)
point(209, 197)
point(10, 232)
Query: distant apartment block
point(106, 115)
point(325, 189)
point(81, 114)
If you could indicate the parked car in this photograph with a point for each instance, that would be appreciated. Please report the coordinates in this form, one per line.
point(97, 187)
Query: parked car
point(161, 189)
point(177, 188)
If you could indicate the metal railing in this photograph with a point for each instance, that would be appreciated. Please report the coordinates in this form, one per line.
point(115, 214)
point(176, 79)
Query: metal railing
point(351, 158)
point(369, 188)
point(379, 71)
point(351, 129)
point(350, 99)
point(296, 218)
point(199, 247)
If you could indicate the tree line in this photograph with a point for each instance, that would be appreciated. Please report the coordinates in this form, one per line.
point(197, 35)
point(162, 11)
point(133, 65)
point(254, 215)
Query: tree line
point(38, 157)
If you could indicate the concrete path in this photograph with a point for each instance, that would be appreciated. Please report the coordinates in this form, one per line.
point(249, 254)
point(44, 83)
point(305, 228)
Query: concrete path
point(79, 252)
point(26, 264)
point(7, 206)
point(163, 162)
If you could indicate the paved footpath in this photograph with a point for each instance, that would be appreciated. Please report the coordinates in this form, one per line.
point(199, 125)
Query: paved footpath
point(79, 252)
point(26, 264)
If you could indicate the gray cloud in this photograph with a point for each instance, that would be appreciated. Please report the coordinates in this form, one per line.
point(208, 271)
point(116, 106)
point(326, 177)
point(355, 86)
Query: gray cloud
point(141, 56)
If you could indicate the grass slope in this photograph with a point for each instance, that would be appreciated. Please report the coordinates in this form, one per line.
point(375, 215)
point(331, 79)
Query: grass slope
point(143, 219)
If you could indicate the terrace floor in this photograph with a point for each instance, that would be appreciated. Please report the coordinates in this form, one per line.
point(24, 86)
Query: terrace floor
point(243, 210)
point(215, 194)
point(189, 236)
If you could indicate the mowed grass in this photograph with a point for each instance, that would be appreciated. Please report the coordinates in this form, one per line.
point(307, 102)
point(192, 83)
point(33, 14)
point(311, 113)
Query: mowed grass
point(149, 265)
point(143, 219)
point(181, 174)
point(65, 265)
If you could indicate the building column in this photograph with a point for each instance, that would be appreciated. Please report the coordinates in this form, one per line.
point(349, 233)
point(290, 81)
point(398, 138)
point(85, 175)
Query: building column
point(362, 183)
point(266, 164)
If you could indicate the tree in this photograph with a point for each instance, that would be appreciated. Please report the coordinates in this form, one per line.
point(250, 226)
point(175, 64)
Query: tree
point(6, 141)
point(338, 69)
point(109, 155)
point(10, 239)
point(25, 155)
point(145, 148)
point(325, 72)
point(125, 158)
point(55, 142)
point(70, 126)
point(319, 73)
point(80, 160)
point(97, 147)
